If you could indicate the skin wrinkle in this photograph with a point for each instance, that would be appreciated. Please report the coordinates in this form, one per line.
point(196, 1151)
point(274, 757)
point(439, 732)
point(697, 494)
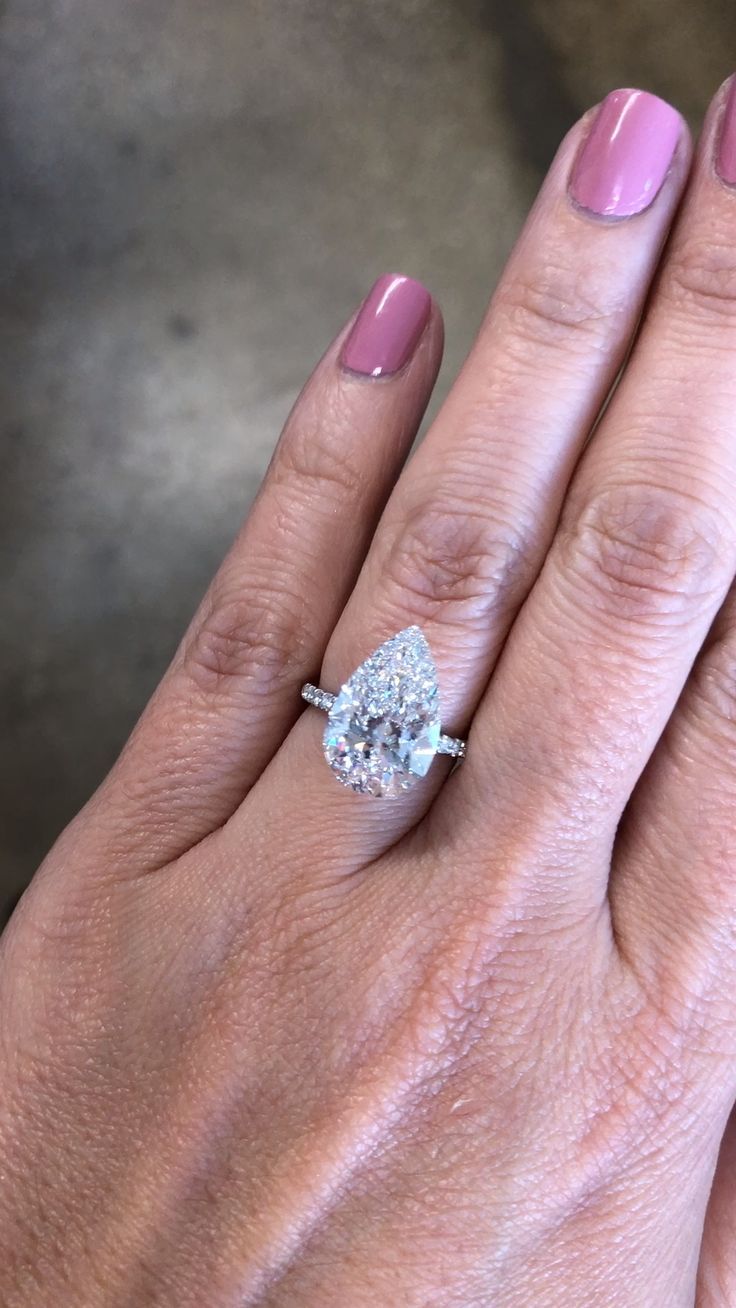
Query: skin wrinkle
point(687, 481)
point(459, 566)
point(409, 1087)
point(653, 567)
point(548, 308)
point(702, 278)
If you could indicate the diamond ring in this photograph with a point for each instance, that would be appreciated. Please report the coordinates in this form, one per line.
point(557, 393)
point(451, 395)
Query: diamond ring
point(383, 727)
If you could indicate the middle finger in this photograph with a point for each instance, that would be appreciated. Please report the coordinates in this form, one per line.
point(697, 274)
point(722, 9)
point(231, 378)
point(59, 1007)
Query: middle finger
point(471, 518)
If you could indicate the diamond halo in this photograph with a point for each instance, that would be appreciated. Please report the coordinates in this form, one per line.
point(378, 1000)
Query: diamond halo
point(383, 727)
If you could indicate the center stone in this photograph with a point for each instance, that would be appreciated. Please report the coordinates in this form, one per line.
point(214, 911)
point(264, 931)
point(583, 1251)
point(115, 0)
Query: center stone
point(384, 726)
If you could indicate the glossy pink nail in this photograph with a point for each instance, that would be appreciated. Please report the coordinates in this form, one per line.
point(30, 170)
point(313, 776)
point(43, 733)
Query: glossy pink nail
point(726, 157)
point(627, 155)
point(386, 332)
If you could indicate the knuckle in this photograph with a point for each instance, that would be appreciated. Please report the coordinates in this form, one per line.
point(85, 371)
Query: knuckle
point(247, 637)
point(653, 1069)
point(646, 551)
point(701, 275)
point(558, 304)
point(455, 561)
point(318, 460)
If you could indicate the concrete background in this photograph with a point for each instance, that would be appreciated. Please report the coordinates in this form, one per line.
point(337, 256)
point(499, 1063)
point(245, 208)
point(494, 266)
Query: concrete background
point(195, 195)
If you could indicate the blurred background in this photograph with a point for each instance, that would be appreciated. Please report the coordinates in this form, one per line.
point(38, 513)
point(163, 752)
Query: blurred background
point(196, 194)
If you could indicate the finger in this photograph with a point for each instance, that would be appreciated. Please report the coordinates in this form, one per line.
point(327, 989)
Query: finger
point(469, 522)
point(717, 1272)
point(673, 888)
point(231, 694)
point(642, 560)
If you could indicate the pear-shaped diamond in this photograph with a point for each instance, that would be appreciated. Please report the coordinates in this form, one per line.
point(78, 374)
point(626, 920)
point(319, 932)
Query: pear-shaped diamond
point(384, 726)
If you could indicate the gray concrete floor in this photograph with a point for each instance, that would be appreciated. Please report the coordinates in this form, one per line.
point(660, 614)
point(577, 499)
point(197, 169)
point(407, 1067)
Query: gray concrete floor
point(195, 196)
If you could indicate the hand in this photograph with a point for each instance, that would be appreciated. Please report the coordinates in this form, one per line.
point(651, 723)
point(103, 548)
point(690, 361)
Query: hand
point(266, 1041)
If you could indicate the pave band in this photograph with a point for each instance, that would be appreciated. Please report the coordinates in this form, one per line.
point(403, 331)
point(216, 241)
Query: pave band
point(324, 700)
point(383, 726)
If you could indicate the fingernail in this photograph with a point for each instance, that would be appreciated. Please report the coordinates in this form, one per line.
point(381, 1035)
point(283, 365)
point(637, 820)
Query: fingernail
point(386, 332)
point(726, 157)
point(627, 154)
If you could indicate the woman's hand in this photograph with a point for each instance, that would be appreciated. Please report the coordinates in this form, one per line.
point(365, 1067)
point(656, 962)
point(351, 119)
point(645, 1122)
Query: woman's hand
point(266, 1041)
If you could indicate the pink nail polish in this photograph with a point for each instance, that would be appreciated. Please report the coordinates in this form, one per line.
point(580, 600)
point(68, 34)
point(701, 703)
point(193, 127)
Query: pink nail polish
point(627, 155)
point(726, 156)
point(386, 332)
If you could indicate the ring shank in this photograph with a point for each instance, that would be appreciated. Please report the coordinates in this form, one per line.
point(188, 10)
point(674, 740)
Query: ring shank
point(323, 700)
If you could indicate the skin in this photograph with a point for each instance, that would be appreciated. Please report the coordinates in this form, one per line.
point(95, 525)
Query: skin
point(266, 1042)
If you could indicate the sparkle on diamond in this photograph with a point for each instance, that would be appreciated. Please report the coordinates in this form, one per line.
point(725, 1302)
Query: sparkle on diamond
point(384, 726)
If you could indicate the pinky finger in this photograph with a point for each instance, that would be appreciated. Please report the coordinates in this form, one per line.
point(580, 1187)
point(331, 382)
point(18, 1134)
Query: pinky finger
point(231, 693)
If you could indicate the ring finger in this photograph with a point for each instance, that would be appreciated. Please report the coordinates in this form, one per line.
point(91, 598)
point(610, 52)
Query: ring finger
point(644, 556)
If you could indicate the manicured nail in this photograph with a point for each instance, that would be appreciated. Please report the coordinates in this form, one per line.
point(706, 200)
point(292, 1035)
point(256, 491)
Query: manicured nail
point(627, 155)
point(726, 157)
point(386, 332)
